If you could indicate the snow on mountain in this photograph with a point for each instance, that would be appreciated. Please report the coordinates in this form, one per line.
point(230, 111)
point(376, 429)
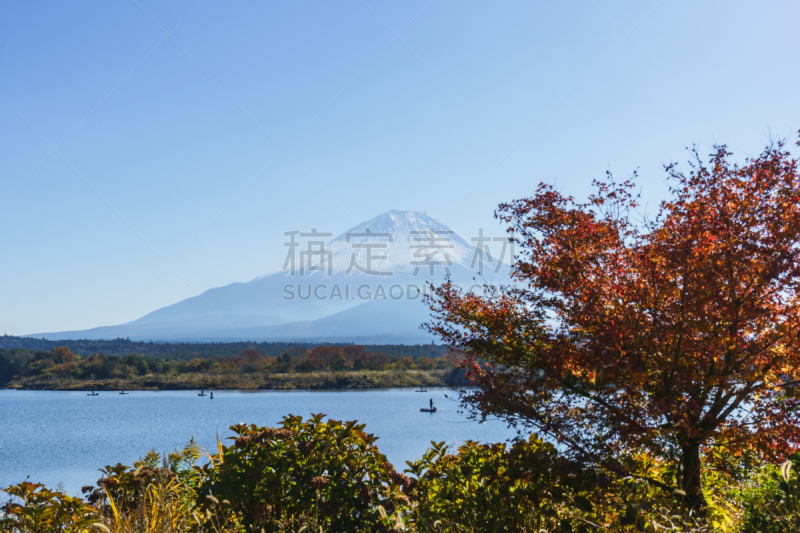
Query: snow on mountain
point(328, 287)
point(403, 237)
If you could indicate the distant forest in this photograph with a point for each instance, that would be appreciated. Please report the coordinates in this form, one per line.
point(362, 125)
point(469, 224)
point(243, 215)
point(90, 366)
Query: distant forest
point(185, 351)
point(37, 367)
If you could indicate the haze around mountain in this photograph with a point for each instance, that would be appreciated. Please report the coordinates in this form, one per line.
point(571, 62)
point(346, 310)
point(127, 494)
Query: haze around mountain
point(365, 285)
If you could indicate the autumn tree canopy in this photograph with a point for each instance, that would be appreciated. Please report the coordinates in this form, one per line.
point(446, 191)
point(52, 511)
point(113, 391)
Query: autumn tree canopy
point(670, 333)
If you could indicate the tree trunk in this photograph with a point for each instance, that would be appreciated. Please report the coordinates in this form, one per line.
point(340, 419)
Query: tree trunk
point(691, 482)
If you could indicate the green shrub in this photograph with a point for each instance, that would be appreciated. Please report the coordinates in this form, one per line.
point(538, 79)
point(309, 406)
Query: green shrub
point(489, 487)
point(39, 510)
point(774, 506)
point(316, 473)
point(156, 494)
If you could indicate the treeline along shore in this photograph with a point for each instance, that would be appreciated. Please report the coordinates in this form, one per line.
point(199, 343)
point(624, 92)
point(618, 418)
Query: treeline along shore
point(183, 351)
point(297, 367)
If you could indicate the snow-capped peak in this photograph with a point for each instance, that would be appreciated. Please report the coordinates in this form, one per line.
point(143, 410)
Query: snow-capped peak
point(401, 222)
point(409, 241)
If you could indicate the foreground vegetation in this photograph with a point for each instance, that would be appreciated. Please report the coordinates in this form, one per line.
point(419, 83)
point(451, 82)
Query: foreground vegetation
point(326, 475)
point(321, 367)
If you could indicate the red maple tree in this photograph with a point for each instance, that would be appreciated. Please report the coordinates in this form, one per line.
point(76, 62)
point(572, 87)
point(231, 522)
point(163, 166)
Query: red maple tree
point(672, 334)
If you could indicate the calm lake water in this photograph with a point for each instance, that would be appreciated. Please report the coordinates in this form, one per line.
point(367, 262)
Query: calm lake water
point(64, 437)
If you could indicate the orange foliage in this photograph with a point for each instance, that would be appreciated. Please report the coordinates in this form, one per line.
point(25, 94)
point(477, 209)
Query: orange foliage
point(671, 333)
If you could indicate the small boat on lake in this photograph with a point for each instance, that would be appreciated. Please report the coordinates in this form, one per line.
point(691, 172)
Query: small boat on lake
point(202, 393)
point(431, 410)
point(421, 390)
point(123, 391)
point(93, 394)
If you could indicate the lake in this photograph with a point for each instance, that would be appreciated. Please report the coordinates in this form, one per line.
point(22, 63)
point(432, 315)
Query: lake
point(64, 437)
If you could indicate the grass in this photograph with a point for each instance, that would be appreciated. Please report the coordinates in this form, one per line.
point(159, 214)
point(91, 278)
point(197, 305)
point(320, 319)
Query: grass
point(326, 380)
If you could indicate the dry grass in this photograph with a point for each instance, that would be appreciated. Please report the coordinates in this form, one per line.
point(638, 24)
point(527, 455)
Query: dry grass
point(356, 380)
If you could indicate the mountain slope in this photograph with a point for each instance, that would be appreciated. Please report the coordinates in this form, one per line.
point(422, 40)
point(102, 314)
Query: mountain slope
point(386, 261)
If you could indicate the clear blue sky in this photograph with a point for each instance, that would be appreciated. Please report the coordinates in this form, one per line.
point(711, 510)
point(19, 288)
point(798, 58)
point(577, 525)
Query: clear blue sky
point(201, 148)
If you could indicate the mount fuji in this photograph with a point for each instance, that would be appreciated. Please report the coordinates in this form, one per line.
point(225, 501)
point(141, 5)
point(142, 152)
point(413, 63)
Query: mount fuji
point(365, 285)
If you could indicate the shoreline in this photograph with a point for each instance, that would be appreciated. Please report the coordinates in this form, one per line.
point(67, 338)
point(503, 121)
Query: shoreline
point(347, 380)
